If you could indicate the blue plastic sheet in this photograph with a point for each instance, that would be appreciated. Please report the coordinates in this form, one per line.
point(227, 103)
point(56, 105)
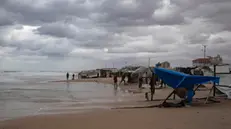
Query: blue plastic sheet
point(176, 79)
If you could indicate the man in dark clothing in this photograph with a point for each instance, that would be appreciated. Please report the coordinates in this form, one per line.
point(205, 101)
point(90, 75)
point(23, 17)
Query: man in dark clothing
point(67, 75)
point(140, 81)
point(152, 85)
point(123, 78)
point(115, 81)
point(73, 77)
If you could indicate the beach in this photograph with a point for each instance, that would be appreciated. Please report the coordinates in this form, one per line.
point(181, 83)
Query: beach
point(98, 80)
point(211, 116)
point(94, 103)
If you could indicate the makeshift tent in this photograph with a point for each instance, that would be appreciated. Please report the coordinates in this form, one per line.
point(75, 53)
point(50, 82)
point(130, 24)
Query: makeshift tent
point(176, 79)
point(141, 71)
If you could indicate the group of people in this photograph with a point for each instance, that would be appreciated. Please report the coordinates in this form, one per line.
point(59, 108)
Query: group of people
point(68, 75)
point(153, 82)
point(115, 79)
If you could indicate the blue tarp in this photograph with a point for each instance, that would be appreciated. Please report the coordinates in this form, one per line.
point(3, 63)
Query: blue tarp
point(176, 79)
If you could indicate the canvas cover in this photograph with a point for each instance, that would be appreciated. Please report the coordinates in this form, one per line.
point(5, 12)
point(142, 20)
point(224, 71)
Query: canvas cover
point(176, 79)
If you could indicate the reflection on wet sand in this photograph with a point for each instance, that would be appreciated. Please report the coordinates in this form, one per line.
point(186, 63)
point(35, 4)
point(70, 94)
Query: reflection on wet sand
point(69, 93)
point(115, 90)
point(56, 96)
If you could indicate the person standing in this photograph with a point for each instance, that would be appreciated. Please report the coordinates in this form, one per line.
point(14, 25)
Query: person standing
point(67, 75)
point(152, 85)
point(123, 78)
point(140, 81)
point(73, 77)
point(115, 81)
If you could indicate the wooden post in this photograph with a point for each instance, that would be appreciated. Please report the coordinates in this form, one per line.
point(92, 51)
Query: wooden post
point(174, 96)
point(169, 96)
point(214, 84)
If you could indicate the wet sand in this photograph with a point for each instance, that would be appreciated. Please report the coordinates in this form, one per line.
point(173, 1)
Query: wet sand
point(99, 80)
point(132, 87)
point(209, 116)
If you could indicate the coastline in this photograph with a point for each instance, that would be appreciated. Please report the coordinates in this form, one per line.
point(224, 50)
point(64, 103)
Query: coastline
point(98, 80)
point(210, 116)
point(132, 88)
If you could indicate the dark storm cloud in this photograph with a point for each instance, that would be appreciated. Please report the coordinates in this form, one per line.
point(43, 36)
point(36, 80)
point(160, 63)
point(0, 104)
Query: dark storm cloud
point(97, 37)
point(219, 40)
point(6, 18)
point(197, 39)
point(32, 12)
point(216, 11)
point(57, 30)
point(139, 13)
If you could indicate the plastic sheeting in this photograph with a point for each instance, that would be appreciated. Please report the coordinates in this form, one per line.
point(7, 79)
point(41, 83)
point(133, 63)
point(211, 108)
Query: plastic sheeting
point(225, 90)
point(141, 71)
point(176, 79)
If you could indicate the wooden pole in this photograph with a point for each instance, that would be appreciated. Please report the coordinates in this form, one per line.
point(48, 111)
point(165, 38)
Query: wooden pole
point(169, 96)
point(174, 96)
point(214, 84)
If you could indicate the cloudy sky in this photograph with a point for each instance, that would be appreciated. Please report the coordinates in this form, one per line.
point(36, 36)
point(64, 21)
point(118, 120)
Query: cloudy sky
point(85, 34)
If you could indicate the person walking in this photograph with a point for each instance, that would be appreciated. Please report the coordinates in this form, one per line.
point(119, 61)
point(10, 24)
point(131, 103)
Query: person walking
point(73, 76)
point(123, 78)
point(140, 81)
point(152, 84)
point(115, 81)
point(67, 75)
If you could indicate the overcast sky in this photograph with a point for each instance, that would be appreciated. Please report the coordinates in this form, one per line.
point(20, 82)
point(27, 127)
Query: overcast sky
point(87, 34)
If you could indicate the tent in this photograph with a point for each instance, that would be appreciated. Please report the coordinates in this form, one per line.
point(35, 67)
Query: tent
point(176, 79)
point(141, 71)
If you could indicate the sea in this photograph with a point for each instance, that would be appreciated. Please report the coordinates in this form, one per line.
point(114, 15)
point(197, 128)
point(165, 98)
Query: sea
point(36, 93)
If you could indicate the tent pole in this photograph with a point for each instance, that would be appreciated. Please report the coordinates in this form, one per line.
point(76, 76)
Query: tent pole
point(174, 96)
point(169, 96)
point(208, 96)
point(214, 84)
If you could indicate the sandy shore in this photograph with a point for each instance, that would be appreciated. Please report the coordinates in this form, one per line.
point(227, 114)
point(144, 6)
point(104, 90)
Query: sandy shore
point(99, 80)
point(210, 116)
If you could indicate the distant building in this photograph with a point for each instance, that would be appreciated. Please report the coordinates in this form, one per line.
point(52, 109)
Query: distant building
point(88, 74)
point(104, 72)
point(165, 64)
point(216, 60)
point(201, 62)
point(207, 61)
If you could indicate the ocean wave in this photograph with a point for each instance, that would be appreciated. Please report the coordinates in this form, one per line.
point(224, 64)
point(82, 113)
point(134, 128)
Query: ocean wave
point(13, 77)
point(34, 89)
point(10, 71)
